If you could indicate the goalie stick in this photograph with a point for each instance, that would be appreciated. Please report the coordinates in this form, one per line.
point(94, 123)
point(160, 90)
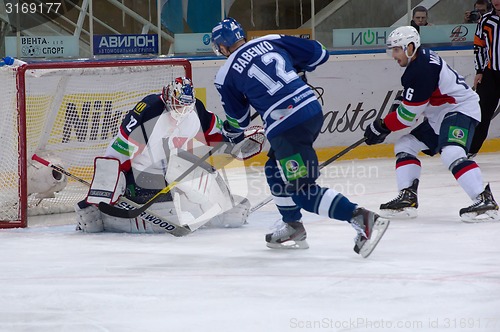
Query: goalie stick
point(147, 216)
point(324, 164)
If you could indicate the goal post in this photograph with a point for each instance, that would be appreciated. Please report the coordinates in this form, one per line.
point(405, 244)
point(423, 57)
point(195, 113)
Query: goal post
point(68, 112)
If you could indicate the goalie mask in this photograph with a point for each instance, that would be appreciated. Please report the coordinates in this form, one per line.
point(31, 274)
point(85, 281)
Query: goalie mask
point(179, 97)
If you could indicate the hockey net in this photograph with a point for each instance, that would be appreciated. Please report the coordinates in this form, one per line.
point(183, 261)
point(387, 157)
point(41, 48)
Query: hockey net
point(69, 111)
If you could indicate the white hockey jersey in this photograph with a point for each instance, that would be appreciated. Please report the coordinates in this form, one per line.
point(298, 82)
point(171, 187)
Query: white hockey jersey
point(432, 89)
point(148, 132)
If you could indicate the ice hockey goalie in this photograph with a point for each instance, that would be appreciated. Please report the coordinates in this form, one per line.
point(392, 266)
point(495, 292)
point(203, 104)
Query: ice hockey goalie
point(149, 153)
point(202, 199)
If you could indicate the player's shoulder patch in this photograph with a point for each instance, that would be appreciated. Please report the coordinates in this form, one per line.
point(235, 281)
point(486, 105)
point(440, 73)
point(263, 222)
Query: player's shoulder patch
point(150, 104)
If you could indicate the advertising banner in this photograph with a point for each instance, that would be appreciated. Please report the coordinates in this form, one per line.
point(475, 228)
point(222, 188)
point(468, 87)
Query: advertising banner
point(376, 37)
point(42, 46)
point(450, 33)
point(361, 37)
point(125, 44)
point(193, 43)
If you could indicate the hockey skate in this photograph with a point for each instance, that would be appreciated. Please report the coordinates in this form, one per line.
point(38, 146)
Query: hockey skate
point(291, 235)
point(404, 206)
point(484, 209)
point(370, 227)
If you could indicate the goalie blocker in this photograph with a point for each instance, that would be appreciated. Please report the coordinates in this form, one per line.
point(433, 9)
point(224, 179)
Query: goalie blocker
point(201, 199)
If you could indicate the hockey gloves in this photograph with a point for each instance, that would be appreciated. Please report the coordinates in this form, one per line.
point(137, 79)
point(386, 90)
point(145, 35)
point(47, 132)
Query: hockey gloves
point(231, 134)
point(376, 132)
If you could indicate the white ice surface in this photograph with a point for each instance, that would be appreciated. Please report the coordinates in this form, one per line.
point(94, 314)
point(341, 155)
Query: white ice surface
point(433, 273)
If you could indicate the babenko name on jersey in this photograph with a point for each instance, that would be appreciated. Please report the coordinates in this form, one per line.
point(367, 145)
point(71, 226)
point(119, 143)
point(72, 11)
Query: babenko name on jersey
point(244, 59)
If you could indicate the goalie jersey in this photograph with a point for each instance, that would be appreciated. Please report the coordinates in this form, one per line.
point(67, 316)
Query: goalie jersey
point(148, 131)
point(264, 70)
point(432, 89)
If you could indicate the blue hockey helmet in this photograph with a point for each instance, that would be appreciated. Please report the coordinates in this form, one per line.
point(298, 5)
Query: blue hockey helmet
point(227, 33)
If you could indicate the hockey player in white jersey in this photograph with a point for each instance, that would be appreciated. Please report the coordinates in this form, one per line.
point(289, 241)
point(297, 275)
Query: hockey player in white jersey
point(148, 153)
point(450, 112)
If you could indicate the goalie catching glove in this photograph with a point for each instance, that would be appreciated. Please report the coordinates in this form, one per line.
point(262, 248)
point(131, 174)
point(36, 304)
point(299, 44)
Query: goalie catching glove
point(245, 144)
point(251, 145)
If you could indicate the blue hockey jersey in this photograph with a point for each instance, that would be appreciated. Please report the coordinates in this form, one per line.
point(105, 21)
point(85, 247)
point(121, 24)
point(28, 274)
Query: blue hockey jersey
point(262, 73)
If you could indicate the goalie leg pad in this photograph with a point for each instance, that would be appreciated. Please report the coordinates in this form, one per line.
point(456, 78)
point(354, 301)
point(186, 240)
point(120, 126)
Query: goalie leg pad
point(88, 218)
point(235, 217)
point(203, 186)
point(196, 184)
point(123, 225)
point(194, 214)
point(204, 197)
point(108, 183)
point(159, 218)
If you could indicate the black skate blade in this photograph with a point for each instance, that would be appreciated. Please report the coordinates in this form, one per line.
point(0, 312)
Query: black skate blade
point(378, 231)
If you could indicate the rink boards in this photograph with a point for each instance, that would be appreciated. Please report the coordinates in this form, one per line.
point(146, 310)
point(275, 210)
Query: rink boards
point(357, 89)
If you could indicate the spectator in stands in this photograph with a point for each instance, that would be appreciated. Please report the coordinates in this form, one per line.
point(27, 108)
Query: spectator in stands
point(420, 16)
point(487, 79)
point(481, 7)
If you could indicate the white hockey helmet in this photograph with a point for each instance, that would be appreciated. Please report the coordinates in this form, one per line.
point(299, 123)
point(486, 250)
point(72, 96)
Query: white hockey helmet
point(402, 37)
point(178, 97)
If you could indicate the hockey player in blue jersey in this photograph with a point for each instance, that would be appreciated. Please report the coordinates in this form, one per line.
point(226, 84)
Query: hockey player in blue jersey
point(262, 73)
point(450, 111)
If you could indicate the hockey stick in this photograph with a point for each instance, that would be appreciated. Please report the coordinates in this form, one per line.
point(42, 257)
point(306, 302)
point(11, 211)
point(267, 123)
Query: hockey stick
point(121, 213)
point(151, 218)
point(323, 165)
point(47, 163)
